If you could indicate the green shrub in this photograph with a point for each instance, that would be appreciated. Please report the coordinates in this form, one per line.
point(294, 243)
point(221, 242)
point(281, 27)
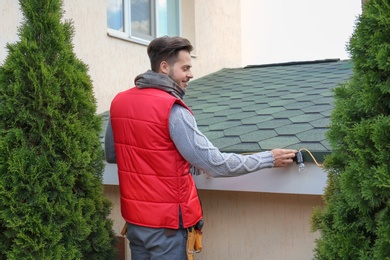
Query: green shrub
point(51, 194)
point(355, 222)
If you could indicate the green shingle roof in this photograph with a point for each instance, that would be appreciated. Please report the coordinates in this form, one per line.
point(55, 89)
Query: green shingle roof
point(259, 108)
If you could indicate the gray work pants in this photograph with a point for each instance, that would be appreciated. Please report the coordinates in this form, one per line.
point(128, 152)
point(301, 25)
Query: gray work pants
point(157, 243)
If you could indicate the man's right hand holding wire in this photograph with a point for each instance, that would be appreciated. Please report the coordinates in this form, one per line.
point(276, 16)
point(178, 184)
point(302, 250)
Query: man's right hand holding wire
point(283, 157)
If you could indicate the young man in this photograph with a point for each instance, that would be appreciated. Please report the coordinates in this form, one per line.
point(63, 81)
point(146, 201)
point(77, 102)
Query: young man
point(157, 145)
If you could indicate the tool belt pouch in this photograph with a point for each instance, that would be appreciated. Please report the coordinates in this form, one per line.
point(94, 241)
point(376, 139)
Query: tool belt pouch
point(124, 230)
point(194, 242)
point(198, 241)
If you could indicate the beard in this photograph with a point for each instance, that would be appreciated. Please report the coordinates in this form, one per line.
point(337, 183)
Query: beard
point(178, 82)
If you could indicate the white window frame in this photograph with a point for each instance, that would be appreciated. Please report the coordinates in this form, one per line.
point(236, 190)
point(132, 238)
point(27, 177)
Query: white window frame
point(137, 37)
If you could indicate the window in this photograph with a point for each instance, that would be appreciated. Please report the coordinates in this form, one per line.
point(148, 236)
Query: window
point(143, 20)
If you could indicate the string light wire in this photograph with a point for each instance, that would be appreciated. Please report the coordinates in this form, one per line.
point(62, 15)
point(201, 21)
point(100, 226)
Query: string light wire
point(311, 155)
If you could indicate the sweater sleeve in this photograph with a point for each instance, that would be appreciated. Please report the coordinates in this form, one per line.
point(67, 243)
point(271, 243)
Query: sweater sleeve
point(202, 154)
point(109, 148)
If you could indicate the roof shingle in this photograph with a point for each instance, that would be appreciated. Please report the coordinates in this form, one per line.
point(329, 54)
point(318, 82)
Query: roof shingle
point(263, 107)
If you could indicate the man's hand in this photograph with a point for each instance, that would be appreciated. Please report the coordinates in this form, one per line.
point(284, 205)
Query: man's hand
point(283, 157)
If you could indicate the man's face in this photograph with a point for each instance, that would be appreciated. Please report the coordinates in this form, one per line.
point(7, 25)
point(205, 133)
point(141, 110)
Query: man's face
point(180, 71)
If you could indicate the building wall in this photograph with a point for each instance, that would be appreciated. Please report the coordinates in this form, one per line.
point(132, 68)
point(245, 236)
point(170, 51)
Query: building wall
point(10, 18)
point(225, 33)
point(249, 225)
point(239, 225)
point(301, 30)
point(218, 35)
point(212, 26)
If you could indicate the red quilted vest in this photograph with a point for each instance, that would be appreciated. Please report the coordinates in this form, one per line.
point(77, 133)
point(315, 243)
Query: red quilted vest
point(154, 178)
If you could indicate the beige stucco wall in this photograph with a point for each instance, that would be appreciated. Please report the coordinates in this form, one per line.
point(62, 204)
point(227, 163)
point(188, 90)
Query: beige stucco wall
point(213, 26)
point(299, 30)
point(10, 18)
point(249, 225)
point(218, 35)
point(243, 225)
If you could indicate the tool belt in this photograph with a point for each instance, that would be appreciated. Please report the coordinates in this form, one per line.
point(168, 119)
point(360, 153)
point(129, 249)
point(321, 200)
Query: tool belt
point(194, 240)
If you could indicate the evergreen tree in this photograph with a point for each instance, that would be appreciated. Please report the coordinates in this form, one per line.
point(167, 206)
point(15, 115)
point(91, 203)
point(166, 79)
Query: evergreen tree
point(51, 161)
point(355, 222)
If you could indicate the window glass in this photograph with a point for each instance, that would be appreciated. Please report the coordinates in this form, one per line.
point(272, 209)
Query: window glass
point(141, 17)
point(168, 17)
point(115, 15)
point(143, 20)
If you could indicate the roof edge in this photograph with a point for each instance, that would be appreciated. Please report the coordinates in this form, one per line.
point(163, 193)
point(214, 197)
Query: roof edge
point(319, 156)
point(291, 63)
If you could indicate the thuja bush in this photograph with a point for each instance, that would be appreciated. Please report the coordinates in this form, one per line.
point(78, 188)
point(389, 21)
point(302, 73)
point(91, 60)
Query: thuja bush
point(51, 193)
point(355, 222)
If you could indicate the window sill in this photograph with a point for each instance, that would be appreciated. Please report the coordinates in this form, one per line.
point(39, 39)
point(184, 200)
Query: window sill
point(124, 37)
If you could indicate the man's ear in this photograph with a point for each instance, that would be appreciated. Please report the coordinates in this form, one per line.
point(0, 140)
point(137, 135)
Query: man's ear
point(164, 67)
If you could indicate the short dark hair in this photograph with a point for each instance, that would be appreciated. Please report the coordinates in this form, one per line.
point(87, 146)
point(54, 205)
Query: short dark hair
point(166, 48)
